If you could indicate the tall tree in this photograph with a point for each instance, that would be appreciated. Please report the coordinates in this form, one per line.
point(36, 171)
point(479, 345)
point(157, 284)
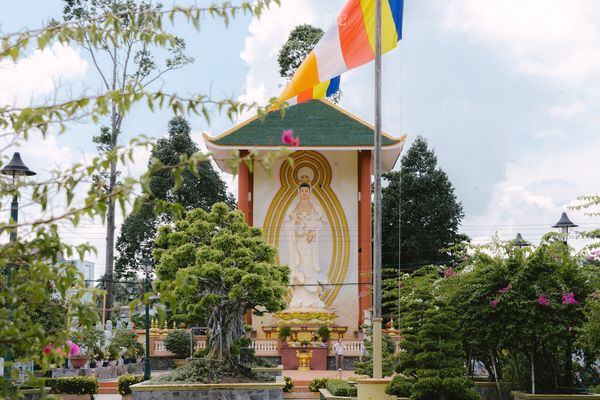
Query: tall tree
point(215, 267)
point(419, 197)
point(121, 65)
point(200, 190)
point(300, 42)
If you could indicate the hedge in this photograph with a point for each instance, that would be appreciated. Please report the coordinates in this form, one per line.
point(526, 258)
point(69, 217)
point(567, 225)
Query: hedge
point(73, 385)
point(339, 387)
point(317, 383)
point(125, 381)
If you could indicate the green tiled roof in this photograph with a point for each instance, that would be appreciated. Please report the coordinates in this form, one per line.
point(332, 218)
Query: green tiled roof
point(317, 123)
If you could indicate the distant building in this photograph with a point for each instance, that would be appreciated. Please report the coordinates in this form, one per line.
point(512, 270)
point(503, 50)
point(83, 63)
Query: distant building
point(87, 270)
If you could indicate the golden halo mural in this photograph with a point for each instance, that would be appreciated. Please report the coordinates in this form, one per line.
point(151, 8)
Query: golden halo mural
point(313, 168)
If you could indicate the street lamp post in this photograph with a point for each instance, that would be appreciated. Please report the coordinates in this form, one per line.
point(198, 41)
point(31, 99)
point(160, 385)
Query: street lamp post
point(14, 168)
point(564, 223)
point(147, 265)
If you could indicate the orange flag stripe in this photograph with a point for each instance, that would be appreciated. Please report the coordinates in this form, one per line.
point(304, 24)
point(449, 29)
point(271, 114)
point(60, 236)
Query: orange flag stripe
point(354, 40)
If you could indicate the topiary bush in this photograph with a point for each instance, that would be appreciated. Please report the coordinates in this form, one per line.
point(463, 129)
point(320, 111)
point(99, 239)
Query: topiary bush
point(339, 387)
point(178, 342)
point(400, 386)
point(72, 385)
point(317, 383)
point(289, 384)
point(125, 381)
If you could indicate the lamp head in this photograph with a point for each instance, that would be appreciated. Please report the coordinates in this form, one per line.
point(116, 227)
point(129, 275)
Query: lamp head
point(16, 167)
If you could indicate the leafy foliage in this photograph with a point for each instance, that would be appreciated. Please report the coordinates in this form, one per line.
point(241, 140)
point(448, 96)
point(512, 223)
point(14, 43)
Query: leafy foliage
point(213, 266)
point(300, 42)
point(178, 342)
point(317, 383)
point(419, 197)
point(289, 384)
point(365, 367)
point(189, 190)
point(73, 385)
point(125, 381)
point(340, 387)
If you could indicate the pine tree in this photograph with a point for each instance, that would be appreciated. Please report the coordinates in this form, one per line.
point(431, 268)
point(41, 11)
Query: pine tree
point(421, 198)
point(138, 231)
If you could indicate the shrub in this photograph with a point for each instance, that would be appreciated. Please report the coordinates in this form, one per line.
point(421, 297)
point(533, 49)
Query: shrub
point(200, 353)
point(125, 381)
point(114, 352)
point(289, 384)
point(400, 386)
point(317, 383)
point(324, 333)
point(178, 342)
point(284, 332)
point(73, 385)
point(339, 387)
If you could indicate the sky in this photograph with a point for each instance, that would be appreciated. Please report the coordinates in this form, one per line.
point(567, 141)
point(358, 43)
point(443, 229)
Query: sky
point(507, 93)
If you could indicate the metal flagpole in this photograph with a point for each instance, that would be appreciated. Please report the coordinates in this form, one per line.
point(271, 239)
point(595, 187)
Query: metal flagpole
point(377, 318)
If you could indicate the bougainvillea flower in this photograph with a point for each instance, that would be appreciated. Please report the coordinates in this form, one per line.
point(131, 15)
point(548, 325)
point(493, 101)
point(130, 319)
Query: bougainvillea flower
point(569, 298)
point(594, 295)
point(287, 136)
point(494, 303)
point(73, 348)
point(48, 348)
point(295, 142)
point(504, 290)
point(543, 300)
point(449, 272)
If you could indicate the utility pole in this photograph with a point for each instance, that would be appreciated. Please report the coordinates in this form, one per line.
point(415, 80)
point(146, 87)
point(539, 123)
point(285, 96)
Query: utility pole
point(377, 317)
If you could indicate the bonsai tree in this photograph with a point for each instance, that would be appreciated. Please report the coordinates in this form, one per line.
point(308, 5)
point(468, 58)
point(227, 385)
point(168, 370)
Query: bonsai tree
point(324, 333)
point(216, 267)
point(178, 342)
point(284, 332)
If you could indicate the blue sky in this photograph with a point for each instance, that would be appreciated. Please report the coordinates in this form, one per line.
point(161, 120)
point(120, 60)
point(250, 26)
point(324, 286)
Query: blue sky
point(506, 92)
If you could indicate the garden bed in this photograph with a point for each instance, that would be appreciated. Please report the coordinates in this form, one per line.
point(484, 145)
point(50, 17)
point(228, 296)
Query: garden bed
point(529, 396)
point(208, 391)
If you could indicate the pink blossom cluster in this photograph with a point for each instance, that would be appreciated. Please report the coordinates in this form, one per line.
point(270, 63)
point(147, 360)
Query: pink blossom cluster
point(569, 298)
point(73, 348)
point(287, 137)
point(494, 303)
point(449, 272)
point(594, 255)
point(543, 300)
point(594, 295)
point(504, 290)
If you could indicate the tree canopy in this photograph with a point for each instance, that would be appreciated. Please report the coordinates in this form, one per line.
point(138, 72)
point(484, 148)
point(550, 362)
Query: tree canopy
point(216, 267)
point(420, 219)
point(196, 190)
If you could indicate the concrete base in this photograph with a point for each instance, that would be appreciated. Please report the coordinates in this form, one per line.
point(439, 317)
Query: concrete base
point(101, 373)
point(229, 391)
point(373, 389)
point(529, 396)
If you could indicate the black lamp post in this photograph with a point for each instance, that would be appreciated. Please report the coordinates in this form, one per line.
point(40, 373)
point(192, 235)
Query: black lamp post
point(147, 265)
point(520, 242)
point(564, 223)
point(14, 168)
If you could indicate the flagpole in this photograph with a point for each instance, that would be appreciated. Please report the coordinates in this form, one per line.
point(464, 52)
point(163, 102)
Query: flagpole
point(377, 317)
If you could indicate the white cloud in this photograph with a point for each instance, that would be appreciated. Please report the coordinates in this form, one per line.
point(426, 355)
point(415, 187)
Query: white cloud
point(549, 134)
point(535, 189)
point(548, 38)
point(39, 73)
point(567, 111)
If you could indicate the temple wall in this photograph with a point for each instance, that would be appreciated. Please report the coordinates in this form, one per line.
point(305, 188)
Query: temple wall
point(334, 177)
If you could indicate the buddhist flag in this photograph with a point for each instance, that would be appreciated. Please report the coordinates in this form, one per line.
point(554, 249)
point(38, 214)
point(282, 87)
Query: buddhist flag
point(348, 44)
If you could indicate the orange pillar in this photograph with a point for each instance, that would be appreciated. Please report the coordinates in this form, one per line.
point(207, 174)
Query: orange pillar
point(245, 199)
point(365, 270)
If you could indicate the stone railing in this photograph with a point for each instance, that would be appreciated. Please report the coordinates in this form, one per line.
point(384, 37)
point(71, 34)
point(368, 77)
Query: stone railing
point(267, 347)
point(352, 348)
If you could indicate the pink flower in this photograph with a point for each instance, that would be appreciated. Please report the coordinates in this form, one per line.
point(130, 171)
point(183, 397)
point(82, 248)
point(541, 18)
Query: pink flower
point(73, 348)
point(287, 137)
point(494, 303)
point(449, 272)
point(543, 300)
point(504, 290)
point(594, 295)
point(569, 298)
point(48, 348)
